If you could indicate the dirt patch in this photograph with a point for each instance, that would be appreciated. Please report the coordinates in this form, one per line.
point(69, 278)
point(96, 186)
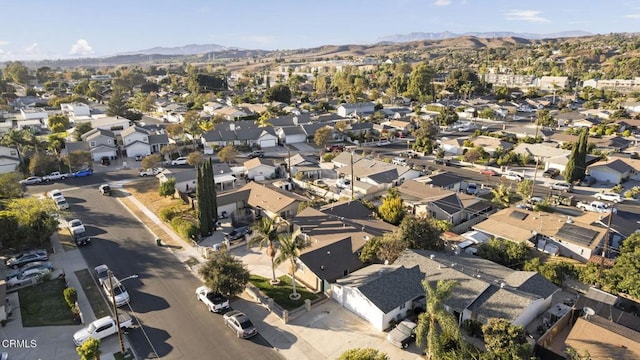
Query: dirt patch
point(66, 240)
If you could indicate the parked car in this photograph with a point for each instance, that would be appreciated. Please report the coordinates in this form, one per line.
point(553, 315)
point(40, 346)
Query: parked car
point(81, 238)
point(119, 295)
point(55, 195)
point(179, 161)
point(32, 265)
point(105, 160)
point(27, 257)
point(214, 301)
point(62, 204)
point(335, 148)
point(238, 233)
point(343, 183)
point(587, 181)
point(551, 173)
point(102, 328)
point(403, 334)
point(105, 189)
point(240, 324)
point(608, 196)
point(443, 161)
point(139, 157)
point(256, 153)
point(562, 186)
point(54, 176)
point(149, 172)
point(83, 173)
point(102, 273)
point(513, 176)
point(489, 172)
point(31, 180)
point(399, 161)
point(75, 226)
point(27, 277)
point(383, 143)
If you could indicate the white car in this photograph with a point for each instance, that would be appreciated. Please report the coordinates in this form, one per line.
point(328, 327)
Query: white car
point(31, 180)
point(62, 204)
point(102, 273)
point(609, 196)
point(383, 143)
point(55, 195)
point(214, 301)
point(149, 172)
point(513, 176)
point(27, 277)
point(76, 226)
point(472, 189)
point(119, 294)
point(179, 161)
point(343, 183)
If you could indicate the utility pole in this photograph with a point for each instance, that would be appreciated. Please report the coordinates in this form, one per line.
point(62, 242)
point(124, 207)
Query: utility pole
point(115, 311)
point(352, 176)
point(606, 239)
point(535, 171)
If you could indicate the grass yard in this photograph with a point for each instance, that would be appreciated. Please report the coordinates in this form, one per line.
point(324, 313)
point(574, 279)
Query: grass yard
point(280, 292)
point(91, 290)
point(44, 305)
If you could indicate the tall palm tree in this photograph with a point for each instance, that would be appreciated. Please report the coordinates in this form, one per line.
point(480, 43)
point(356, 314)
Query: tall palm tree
point(16, 139)
point(265, 235)
point(436, 321)
point(290, 246)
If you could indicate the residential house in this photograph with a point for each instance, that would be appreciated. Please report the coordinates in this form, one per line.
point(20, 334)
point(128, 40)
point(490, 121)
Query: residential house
point(423, 199)
point(542, 153)
point(140, 141)
point(560, 161)
point(291, 134)
point(186, 181)
point(358, 110)
point(100, 143)
point(211, 106)
point(615, 170)
point(521, 132)
point(242, 132)
point(308, 166)
point(552, 83)
point(403, 126)
point(572, 237)
point(310, 130)
point(75, 109)
point(260, 169)
point(335, 234)
point(115, 124)
point(9, 159)
point(484, 289)
point(445, 180)
point(610, 144)
point(488, 143)
point(633, 125)
point(230, 113)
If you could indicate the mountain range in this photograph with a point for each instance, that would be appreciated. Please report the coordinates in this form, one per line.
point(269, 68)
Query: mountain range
point(417, 36)
point(191, 49)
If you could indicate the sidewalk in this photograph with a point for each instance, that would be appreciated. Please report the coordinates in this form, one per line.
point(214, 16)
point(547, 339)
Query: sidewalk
point(55, 342)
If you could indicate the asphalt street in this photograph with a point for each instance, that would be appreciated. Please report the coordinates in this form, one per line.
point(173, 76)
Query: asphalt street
point(174, 325)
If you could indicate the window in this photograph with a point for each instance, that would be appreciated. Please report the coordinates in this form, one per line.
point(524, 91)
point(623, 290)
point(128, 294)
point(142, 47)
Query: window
point(92, 144)
point(13, 153)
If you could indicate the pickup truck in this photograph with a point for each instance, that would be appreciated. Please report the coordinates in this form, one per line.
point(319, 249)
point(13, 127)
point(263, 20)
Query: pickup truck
point(149, 172)
point(595, 206)
point(56, 175)
point(102, 328)
point(215, 302)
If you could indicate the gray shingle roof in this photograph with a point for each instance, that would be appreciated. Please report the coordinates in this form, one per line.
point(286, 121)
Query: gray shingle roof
point(531, 282)
point(394, 288)
point(445, 179)
point(332, 261)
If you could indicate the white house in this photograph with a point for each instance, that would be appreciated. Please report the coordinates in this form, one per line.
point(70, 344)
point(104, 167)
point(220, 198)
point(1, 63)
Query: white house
point(136, 141)
point(259, 169)
point(356, 110)
point(613, 172)
point(291, 134)
point(100, 143)
point(75, 109)
point(9, 160)
point(115, 124)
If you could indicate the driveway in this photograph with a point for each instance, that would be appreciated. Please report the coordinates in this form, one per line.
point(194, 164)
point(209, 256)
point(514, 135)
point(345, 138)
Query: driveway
point(305, 148)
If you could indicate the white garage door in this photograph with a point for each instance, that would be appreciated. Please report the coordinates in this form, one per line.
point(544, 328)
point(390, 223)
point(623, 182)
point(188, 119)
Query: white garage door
point(267, 143)
point(98, 155)
point(605, 176)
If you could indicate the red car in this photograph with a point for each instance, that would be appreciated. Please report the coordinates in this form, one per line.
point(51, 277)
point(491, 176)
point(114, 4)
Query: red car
point(488, 172)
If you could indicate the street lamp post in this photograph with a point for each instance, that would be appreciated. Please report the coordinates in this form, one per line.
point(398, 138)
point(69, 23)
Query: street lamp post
point(115, 307)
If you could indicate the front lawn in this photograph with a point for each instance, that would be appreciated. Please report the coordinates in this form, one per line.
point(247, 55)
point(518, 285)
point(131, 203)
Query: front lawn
point(280, 292)
point(44, 305)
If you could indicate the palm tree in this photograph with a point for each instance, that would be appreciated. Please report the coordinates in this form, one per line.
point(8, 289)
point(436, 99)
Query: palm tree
point(17, 139)
point(266, 235)
point(436, 321)
point(290, 247)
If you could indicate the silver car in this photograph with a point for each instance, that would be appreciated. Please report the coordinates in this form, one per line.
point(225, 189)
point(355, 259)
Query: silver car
point(240, 324)
point(30, 276)
point(28, 257)
point(403, 334)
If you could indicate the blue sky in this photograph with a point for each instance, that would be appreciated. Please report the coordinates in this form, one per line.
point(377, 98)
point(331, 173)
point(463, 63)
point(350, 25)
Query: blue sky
point(46, 29)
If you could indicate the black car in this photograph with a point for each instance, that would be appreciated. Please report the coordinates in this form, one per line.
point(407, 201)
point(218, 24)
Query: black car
point(238, 233)
point(551, 173)
point(105, 160)
point(81, 238)
point(445, 162)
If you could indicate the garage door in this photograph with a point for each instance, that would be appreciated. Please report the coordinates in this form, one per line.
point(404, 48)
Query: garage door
point(605, 176)
point(267, 143)
point(98, 155)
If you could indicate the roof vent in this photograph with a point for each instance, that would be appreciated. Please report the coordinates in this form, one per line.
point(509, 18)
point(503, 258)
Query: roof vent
point(588, 312)
point(569, 220)
point(366, 238)
point(432, 256)
point(502, 285)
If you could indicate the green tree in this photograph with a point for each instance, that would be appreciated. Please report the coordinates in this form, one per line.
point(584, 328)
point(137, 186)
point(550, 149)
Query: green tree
point(581, 156)
point(168, 187)
point(227, 154)
point(225, 274)
point(56, 143)
point(191, 125)
point(89, 350)
point(570, 171)
point(363, 354)
point(322, 137)
point(544, 118)
point(35, 219)
point(392, 210)
point(152, 161)
point(436, 327)
point(501, 195)
point(195, 158)
point(290, 246)
point(278, 92)
point(447, 116)
point(10, 187)
point(504, 341)
point(16, 139)
point(385, 248)
point(41, 164)
point(58, 122)
point(78, 159)
point(205, 214)
point(265, 234)
point(625, 274)
point(81, 129)
point(117, 104)
point(422, 232)
point(419, 86)
point(504, 252)
point(16, 71)
point(143, 102)
point(524, 188)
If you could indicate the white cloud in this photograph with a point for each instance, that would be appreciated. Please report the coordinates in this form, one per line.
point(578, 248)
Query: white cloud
point(443, 2)
point(31, 49)
point(3, 43)
point(81, 47)
point(632, 16)
point(532, 16)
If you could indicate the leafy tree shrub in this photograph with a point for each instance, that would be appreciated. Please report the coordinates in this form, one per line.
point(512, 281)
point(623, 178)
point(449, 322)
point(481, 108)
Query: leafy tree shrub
point(70, 296)
point(168, 213)
point(328, 157)
point(184, 227)
point(89, 350)
point(225, 274)
point(168, 188)
point(363, 354)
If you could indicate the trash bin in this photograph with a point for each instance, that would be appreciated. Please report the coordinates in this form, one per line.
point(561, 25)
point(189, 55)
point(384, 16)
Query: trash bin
point(159, 242)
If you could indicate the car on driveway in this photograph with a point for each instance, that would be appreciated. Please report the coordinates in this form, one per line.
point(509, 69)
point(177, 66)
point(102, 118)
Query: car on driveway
point(335, 148)
point(551, 173)
point(29, 266)
point(608, 196)
point(587, 181)
point(403, 334)
point(27, 277)
point(238, 233)
point(256, 153)
point(75, 226)
point(489, 172)
point(179, 161)
point(27, 257)
point(343, 183)
point(561, 186)
point(31, 180)
point(472, 189)
point(240, 324)
point(83, 173)
point(214, 301)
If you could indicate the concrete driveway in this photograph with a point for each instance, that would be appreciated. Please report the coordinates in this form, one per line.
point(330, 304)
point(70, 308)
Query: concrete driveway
point(304, 148)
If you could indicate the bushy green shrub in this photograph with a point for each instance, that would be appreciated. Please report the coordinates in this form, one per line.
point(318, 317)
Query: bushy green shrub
point(168, 213)
point(70, 296)
point(328, 157)
point(184, 227)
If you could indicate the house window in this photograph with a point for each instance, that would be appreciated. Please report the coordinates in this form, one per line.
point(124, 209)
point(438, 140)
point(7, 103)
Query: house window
point(13, 153)
point(145, 139)
point(92, 143)
point(403, 305)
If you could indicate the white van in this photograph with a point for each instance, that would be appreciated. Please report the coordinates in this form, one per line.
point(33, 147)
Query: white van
point(399, 161)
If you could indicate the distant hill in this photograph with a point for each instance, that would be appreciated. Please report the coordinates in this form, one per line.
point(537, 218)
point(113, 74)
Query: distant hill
point(417, 36)
point(191, 49)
